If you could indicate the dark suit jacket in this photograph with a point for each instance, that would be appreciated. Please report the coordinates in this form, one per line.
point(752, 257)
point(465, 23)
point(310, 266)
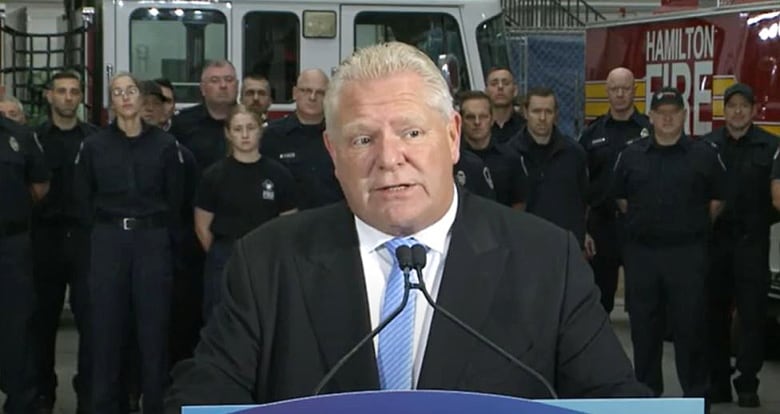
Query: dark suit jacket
point(295, 302)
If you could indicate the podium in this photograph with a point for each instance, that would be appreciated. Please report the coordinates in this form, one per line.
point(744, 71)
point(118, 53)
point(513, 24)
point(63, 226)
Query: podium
point(448, 402)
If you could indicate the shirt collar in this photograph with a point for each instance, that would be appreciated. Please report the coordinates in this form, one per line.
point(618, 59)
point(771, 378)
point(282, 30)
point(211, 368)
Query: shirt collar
point(683, 143)
point(433, 236)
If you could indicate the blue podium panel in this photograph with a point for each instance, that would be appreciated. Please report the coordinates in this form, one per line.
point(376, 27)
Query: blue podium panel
point(632, 405)
point(446, 402)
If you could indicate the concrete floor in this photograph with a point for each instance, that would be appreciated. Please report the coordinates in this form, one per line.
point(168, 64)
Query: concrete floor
point(769, 392)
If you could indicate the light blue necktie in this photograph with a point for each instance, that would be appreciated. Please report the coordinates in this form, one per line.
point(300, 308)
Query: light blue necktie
point(395, 354)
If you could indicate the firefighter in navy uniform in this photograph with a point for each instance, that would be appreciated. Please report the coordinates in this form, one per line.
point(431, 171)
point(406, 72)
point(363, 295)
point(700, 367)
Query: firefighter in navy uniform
point(296, 141)
point(602, 140)
point(505, 168)
point(669, 187)
point(472, 174)
point(501, 87)
point(200, 127)
point(554, 166)
point(739, 270)
point(60, 242)
point(236, 195)
point(129, 178)
point(187, 293)
point(24, 179)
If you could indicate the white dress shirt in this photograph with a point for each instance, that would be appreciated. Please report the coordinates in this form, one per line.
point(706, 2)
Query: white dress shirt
point(377, 263)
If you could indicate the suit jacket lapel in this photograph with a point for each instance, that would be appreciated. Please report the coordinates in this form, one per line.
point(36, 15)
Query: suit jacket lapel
point(472, 270)
point(335, 292)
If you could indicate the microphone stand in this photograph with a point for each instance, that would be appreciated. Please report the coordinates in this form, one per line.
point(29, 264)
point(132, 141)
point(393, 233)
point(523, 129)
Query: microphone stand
point(397, 311)
point(419, 263)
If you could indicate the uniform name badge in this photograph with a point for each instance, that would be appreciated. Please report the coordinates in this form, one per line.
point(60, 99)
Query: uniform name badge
point(461, 177)
point(14, 144)
point(268, 190)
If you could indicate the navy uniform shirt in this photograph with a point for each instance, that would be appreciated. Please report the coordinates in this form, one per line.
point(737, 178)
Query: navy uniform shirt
point(60, 148)
point(302, 150)
point(603, 140)
point(242, 196)
point(512, 127)
point(22, 163)
point(748, 199)
point(203, 135)
point(556, 180)
point(505, 170)
point(138, 177)
point(669, 190)
point(472, 174)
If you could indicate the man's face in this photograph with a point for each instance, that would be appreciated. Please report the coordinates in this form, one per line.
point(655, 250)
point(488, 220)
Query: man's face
point(256, 95)
point(501, 88)
point(668, 120)
point(169, 105)
point(620, 92)
point(154, 111)
point(394, 153)
point(11, 111)
point(477, 119)
point(738, 112)
point(540, 115)
point(309, 94)
point(64, 97)
point(219, 85)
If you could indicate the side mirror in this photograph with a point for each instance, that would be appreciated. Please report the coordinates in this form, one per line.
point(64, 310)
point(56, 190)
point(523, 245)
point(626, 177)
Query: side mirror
point(450, 69)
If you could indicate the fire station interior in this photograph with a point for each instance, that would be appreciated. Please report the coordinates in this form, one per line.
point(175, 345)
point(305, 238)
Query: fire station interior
point(41, 37)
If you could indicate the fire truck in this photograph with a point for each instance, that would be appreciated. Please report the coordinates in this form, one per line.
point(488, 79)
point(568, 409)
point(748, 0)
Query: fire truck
point(700, 52)
point(275, 38)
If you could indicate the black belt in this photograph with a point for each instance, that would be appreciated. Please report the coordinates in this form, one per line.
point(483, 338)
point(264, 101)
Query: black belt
point(13, 228)
point(134, 223)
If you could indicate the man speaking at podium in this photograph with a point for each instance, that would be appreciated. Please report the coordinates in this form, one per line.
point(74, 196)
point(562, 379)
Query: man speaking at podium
point(303, 290)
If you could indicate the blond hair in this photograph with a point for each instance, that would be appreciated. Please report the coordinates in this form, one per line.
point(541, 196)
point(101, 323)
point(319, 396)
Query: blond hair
point(384, 60)
point(237, 110)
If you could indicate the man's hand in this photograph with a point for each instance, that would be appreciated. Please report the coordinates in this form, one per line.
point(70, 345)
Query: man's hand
point(590, 247)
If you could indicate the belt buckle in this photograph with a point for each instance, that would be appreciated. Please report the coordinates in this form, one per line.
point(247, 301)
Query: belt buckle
point(128, 223)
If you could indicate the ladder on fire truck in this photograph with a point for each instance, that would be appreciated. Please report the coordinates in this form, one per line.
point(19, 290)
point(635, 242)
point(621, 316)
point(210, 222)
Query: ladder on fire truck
point(545, 15)
point(29, 60)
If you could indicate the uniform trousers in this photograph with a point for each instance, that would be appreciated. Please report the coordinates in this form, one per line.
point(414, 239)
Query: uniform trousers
point(662, 278)
point(130, 283)
point(739, 277)
point(17, 305)
point(216, 259)
point(603, 228)
point(60, 261)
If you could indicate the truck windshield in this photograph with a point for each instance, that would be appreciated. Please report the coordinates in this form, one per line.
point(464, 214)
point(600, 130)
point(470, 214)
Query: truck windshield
point(436, 34)
point(491, 39)
point(174, 43)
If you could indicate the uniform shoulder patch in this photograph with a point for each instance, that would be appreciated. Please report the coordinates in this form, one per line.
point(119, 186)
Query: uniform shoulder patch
point(488, 178)
point(460, 176)
point(37, 141)
point(712, 144)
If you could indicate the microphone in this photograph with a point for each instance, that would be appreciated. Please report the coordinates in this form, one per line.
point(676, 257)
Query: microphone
point(418, 254)
point(404, 256)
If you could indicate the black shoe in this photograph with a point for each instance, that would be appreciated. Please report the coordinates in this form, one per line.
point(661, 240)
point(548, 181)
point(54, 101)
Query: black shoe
point(720, 397)
point(748, 400)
